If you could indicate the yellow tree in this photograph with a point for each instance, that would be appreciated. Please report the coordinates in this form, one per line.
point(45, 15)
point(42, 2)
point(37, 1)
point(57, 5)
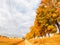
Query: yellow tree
point(47, 16)
point(31, 34)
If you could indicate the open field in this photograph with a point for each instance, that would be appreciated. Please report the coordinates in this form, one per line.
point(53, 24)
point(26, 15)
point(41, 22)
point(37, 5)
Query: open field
point(55, 40)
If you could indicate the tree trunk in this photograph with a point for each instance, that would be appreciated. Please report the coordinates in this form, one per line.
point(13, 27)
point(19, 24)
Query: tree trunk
point(48, 34)
point(58, 26)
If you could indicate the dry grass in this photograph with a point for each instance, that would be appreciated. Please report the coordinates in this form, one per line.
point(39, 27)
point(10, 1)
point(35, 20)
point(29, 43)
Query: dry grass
point(55, 40)
point(9, 41)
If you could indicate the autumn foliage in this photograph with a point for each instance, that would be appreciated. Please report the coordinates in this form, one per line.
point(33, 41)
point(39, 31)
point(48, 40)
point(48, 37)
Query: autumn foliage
point(47, 17)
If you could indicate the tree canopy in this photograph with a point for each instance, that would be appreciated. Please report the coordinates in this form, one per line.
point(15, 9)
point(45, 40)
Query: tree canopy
point(47, 15)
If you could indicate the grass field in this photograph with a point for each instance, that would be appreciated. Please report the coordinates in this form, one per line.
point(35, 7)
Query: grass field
point(55, 40)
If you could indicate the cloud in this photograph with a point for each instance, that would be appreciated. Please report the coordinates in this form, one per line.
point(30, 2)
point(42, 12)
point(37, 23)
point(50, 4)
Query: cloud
point(16, 16)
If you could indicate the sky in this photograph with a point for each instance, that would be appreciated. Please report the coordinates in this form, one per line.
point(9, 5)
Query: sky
point(16, 16)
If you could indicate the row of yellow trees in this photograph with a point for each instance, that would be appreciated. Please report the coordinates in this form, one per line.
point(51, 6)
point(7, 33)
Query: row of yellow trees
point(47, 16)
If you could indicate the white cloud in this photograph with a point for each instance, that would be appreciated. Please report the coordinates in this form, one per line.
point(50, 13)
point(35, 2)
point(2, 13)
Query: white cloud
point(16, 16)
